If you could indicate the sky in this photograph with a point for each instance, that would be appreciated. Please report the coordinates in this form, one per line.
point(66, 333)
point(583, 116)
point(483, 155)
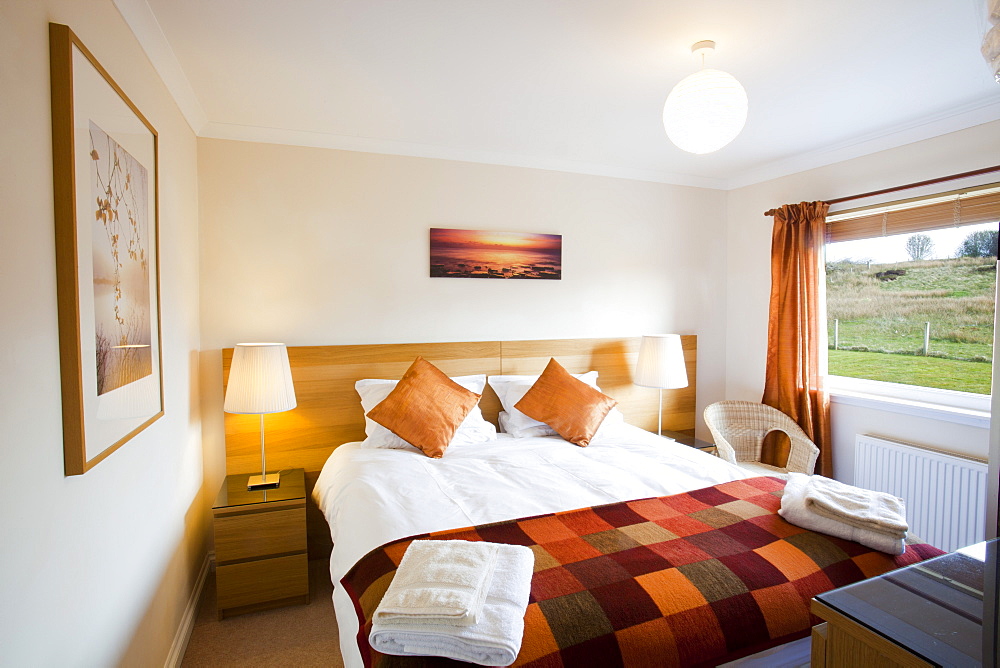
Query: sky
point(883, 250)
point(485, 239)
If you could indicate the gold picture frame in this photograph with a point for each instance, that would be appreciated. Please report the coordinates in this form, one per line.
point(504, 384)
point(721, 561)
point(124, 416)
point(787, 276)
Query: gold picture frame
point(104, 170)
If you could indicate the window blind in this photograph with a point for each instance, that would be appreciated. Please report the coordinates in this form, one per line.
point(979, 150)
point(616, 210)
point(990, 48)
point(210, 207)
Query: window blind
point(930, 213)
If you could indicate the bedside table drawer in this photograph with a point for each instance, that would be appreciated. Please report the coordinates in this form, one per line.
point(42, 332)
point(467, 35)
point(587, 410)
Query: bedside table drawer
point(259, 534)
point(264, 580)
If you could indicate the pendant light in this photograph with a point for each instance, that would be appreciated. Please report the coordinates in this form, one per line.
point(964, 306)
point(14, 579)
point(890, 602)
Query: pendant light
point(707, 109)
point(991, 42)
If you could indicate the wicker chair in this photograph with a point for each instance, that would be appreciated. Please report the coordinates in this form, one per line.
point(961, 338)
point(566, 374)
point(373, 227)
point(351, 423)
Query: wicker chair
point(739, 428)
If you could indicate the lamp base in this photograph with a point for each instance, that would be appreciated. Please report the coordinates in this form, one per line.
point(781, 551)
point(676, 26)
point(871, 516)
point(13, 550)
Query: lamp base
point(264, 481)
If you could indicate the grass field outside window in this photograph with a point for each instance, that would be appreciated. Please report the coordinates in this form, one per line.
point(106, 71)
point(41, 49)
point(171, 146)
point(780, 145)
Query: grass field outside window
point(877, 314)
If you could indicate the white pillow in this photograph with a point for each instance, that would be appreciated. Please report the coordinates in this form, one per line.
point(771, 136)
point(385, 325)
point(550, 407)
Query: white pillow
point(500, 384)
point(511, 389)
point(540, 429)
point(474, 429)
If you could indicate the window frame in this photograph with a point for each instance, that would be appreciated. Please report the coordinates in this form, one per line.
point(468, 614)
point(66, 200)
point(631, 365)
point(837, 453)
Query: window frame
point(930, 402)
point(951, 405)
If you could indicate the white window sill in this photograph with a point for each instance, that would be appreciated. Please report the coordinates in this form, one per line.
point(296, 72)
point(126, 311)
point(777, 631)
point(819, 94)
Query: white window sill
point(943, 405)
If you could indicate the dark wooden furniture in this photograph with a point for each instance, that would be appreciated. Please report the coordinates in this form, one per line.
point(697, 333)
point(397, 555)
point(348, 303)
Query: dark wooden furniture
point(940, 612)
point(260, 545)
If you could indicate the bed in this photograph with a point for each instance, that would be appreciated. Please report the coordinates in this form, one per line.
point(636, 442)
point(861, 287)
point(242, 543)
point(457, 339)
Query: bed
point(375, 500)
point(505, 479)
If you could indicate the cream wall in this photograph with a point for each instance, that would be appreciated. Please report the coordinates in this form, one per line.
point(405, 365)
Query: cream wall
point(95, 569)
point(748, 280)
point(314, 246)
point(318, 246)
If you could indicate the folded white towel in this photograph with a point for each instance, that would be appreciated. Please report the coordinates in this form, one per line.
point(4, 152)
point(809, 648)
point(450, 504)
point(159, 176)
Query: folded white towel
point(494, 640)
point(862, 508)
point(440, 582)
point(795, 511)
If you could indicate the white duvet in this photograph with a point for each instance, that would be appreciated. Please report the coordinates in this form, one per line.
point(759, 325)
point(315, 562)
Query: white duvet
point(373, 496)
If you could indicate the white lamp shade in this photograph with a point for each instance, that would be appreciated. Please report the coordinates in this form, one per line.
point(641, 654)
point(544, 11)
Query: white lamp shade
point(661, 362)
point(705, 111)
point(260, 379)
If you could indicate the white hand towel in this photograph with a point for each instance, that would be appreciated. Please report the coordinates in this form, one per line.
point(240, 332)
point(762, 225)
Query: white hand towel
point(494, 641)
point(795, 511)
point(862, 508)
point(440, 582)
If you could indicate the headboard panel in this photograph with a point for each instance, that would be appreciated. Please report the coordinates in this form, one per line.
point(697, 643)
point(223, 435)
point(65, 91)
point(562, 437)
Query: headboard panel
point(614, 360)
point(329, 411)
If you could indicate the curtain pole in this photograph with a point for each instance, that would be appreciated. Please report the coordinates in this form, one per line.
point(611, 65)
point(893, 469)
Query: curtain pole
point(929, 182)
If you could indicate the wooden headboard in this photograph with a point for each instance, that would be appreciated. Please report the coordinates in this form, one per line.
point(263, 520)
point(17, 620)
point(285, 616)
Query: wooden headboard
point(329, 410)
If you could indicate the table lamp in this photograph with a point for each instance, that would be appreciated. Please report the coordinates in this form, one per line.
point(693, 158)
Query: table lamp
point(661, 365)
point(260, 382)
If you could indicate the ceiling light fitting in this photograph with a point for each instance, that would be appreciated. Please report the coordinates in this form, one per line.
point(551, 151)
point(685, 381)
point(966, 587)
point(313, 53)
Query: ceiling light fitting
point(991, 42)
point(706, 110)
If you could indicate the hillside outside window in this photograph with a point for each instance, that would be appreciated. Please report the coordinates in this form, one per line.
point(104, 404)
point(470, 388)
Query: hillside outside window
point(911, 296)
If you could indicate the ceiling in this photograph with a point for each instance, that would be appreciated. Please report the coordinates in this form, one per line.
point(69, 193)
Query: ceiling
point(572, 85)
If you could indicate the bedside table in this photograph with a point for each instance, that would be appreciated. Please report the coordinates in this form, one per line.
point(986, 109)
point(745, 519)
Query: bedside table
point(690, 441)
point(260, 545)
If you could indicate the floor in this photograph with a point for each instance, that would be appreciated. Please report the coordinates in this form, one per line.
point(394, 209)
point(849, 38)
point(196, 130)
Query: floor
point(307, 635)
point(301, 635)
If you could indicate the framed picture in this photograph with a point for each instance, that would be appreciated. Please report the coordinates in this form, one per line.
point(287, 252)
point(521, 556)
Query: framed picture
point(484, 254)
point(107, 256)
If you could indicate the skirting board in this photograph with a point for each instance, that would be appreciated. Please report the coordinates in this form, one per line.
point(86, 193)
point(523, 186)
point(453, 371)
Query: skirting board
point(184, 629)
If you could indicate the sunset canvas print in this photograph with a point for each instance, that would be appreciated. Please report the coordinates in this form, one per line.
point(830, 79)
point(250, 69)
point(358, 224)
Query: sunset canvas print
point(484, 254)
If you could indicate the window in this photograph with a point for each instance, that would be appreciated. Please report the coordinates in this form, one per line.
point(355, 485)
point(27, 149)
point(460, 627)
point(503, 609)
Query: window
point(911, 294)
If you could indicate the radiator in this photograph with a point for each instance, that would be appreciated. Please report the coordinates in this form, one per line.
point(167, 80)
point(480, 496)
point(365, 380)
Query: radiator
point(945, 495)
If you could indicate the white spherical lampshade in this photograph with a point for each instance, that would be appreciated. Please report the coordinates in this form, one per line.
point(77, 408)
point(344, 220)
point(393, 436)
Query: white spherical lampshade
point(705, 111)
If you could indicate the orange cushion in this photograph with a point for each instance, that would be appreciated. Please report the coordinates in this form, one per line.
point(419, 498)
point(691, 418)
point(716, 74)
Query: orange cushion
point(570, 406)
point(425, 408)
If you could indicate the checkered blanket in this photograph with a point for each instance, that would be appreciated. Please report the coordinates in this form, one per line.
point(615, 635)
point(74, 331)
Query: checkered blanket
point(690, 579)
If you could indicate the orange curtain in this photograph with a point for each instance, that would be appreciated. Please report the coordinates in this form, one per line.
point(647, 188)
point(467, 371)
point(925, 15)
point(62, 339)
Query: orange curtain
point(796, 328)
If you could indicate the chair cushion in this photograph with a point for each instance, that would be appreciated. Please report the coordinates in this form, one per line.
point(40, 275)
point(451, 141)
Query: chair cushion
point(757, 468)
